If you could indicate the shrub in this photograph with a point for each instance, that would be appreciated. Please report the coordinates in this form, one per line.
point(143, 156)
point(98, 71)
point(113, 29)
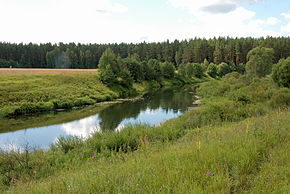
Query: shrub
point(167, 69)
point(212, 70)
point(223, 69)
point(197, 70)
point(280, 99)
point(281, 72)
point(260, 61)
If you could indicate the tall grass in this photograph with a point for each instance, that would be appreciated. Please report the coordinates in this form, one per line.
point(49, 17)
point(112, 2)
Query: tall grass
point(248, 156)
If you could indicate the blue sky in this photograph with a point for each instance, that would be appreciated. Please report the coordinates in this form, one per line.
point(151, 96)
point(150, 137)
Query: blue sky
point(110, 21)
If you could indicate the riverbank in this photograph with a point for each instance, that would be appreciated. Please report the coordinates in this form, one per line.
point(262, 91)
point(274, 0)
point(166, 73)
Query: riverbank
point(237, 141)
point(32, 93)
point(22, 94)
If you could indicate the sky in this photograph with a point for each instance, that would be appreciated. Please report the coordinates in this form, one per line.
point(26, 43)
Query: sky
point(134, 21)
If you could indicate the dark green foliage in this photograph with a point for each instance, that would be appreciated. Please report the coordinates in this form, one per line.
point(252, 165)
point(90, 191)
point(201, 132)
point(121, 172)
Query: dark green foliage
point(241, 68)
point(135, 68)
point(181, 70)
point(193, 50)
point(168, 70)
point(8, 64)
point(189, 70)
point(107, 75)
point(223, 69)
point(154, 70)
point(126, 78)
point(204, 65)
point(260, 61)
point(212, 70)
point(197, 70)
point(281, 72)
point(109, 58)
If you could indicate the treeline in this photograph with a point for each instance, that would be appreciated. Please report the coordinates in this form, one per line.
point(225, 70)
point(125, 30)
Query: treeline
point(215, 50)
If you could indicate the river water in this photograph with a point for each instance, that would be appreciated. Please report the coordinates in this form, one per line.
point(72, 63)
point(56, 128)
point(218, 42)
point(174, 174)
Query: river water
point(40, 131)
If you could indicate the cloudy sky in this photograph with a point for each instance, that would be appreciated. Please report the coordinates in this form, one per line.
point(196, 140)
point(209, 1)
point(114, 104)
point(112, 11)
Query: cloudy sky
point(115, 21)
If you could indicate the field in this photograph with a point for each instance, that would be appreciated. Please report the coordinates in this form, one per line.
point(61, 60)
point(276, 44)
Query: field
point(13, 71)
point(25, 91)
point(9, 71)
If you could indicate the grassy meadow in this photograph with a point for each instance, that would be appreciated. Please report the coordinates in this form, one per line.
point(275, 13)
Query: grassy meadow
point(237, 141)
point(25, 93)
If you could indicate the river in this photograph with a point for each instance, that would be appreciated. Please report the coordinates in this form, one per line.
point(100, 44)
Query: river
point(40, 131)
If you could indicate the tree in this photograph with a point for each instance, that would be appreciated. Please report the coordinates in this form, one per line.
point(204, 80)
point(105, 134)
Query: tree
point(109, 58)
point(108, 66)
point(189, 70)
point(241, 68)
point(281, 72)
point(135, 68)
point(126, 78)
point(260, 61)
point(167, 69)
point(181, 70)
point(223, 69)
point(204, 65)
point(197, 70)
point(212, 70)
point(107, 75)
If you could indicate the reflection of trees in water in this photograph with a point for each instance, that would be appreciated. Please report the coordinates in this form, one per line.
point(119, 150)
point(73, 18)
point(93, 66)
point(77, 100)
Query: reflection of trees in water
point(167, 99)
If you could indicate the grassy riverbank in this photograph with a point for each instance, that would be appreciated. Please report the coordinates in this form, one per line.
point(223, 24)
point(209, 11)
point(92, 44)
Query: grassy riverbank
point(29, 93)
point(237, 141)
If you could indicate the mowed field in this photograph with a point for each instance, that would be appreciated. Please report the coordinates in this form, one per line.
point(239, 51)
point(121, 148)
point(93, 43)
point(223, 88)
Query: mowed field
point(43, 71)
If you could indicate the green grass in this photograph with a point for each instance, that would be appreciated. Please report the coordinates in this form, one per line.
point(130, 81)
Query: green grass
point(236, 142)
point(250, 156)
point(31, 93)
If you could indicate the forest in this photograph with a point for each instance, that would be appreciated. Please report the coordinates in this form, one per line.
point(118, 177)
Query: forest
point(86, 56)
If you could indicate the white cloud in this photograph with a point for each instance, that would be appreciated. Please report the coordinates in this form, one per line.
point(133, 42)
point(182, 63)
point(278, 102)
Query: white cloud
point(98, 21)
point(81, 128)
point(229, 18)
point(286, 29)
point(272, 21)
point(286, 15)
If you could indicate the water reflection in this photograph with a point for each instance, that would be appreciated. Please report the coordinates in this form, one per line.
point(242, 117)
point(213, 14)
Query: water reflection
point(168, 102)
point(152, 109)
point(81, 128)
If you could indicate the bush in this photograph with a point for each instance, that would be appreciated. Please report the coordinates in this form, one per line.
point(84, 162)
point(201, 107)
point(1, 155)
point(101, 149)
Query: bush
point(280, 99)
point(181, 70)
point(107, 76)
point(212, 70)
point(281, 72)
point(197, 70)
point(189, 70)
point(167, 70)
point(223, 69)
point(126, 79)
point(227, 110)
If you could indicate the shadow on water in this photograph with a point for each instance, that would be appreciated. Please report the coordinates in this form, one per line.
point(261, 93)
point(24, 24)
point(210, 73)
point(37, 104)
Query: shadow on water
point(168, 99)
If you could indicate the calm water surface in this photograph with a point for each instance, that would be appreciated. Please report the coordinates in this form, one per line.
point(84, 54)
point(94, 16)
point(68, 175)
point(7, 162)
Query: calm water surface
point(152, 109)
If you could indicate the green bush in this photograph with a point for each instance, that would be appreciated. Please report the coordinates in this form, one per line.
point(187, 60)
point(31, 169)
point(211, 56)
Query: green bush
point(281, 99)
point(167, 70)
point(197, 70)
point(281, 72)
point(223, 69)
point(212, 70)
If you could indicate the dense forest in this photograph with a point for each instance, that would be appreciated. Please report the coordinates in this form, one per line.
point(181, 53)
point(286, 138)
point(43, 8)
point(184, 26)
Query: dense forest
point(216, 50)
